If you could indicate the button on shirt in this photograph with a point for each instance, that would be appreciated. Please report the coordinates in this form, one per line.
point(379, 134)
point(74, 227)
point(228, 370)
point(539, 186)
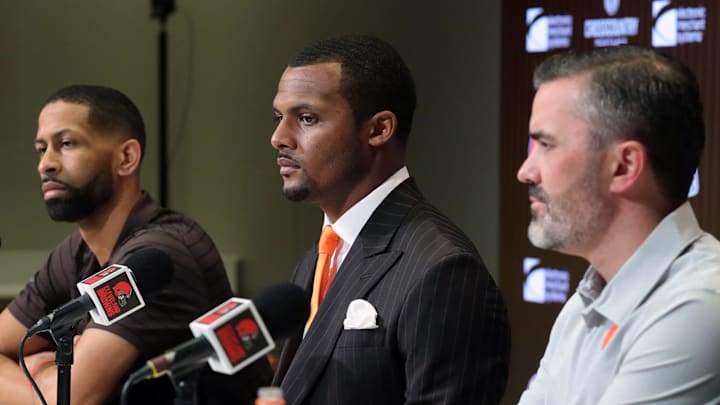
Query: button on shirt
point(651, 335)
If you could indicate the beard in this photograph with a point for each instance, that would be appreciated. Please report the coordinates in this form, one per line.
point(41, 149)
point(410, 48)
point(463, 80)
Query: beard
point(573, 217)
point(296, 194)
point(80, 202)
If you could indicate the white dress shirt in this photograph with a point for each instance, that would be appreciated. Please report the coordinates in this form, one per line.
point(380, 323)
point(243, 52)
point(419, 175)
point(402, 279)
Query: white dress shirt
point(349, 225)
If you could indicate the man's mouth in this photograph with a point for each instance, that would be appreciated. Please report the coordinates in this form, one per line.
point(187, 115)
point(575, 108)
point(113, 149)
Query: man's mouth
point(53, 189)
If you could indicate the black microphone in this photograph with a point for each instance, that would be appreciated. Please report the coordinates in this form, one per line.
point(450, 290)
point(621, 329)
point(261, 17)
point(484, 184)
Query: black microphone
point(112, 293)
point(235, 334)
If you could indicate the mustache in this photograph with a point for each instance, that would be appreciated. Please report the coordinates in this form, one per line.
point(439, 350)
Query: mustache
point(283, 155)
point(55, 180)
point(535, 191)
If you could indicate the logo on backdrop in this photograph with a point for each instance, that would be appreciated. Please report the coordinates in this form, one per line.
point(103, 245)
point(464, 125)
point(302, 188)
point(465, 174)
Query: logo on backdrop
point(673, 26)
point(611, 31)
point(695, 185)
point(611, 6)
point(547, 32)
point(544, 285)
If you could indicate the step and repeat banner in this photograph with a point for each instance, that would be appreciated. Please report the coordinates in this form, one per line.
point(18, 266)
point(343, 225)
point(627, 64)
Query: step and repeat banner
point(535, 282)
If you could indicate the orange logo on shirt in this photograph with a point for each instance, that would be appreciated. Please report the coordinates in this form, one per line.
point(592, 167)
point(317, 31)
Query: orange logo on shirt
point(609, 335)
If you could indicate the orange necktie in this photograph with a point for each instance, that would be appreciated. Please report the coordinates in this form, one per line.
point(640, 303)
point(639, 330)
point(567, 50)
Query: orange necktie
point(324, 272)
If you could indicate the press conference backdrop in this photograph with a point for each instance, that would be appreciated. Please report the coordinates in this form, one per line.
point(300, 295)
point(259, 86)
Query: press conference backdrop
point(536, 283)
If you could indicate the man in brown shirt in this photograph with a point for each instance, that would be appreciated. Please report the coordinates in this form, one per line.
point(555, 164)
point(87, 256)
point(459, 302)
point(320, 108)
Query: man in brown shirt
point(90, 143)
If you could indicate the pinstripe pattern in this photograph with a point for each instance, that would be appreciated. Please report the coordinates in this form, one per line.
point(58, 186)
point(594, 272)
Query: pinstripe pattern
point(443, 336)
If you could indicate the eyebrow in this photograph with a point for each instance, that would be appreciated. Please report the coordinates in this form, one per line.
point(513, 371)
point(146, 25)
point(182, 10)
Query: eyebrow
point(296, 108)
point(541, 136)
point(55, 135)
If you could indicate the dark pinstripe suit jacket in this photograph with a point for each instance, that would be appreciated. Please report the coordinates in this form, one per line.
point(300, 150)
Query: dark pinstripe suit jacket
point(443, 335)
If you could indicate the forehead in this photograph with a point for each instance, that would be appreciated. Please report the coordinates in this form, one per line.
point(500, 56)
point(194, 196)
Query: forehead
point(310, 84)
point(60, 115)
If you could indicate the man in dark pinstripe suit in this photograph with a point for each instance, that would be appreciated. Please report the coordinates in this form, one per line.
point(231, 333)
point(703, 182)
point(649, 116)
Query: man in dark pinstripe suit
point(344, 107)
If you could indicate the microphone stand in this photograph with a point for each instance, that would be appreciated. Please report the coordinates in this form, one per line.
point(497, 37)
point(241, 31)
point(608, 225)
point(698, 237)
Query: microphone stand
point(186, 384)
point(160, 9)
point(63, 338)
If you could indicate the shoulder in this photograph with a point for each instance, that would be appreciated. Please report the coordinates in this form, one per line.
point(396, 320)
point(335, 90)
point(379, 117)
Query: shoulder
point(435, 255)
point(424, 239)
point(54, 283)
point(172, 230)
point(176, 223)
point(693, 277)
point(426, 226)
point(687, 299)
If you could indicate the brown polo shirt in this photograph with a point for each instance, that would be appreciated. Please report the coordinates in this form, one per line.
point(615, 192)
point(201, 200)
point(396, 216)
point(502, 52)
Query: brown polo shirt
point(199, 283)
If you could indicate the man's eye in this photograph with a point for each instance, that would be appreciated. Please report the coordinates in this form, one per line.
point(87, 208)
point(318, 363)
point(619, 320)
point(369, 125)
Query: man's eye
point(541, 143)
point(67, 144)
point(308, 119)
point(277, 118)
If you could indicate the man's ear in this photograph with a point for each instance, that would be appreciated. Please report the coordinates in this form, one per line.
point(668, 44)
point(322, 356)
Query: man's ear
point(629, 162)
point(129, 156)
point(382, 127)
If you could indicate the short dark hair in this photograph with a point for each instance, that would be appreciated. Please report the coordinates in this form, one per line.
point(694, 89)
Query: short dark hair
point(639, 93)
point(109, 109)
point(374, 75)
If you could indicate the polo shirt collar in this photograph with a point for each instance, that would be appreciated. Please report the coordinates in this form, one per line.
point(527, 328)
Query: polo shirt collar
point(642, 272)
point(143, 212)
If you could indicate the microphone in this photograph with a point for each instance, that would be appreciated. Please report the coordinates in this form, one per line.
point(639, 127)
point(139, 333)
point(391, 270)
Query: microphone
point(235, 333)
point(112, 293)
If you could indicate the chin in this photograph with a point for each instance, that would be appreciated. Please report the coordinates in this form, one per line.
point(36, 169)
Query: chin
point(536, 236)
point(296, 194)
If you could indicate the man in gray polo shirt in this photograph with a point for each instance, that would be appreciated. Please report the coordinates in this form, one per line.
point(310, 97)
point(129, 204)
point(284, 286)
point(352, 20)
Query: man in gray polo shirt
point(617, 134)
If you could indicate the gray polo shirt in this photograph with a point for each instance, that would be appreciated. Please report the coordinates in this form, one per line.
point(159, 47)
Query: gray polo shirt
point(651, 335)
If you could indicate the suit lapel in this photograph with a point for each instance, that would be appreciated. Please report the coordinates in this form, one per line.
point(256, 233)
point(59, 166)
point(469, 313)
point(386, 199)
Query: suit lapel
point(302, 276)
point(366, 263)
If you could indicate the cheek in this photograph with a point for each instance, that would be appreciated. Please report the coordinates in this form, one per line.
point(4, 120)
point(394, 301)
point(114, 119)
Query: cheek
point(82, 170)
point(559, 176)
point(329, 148)
point(323, 146)
point(316, 159)
point(317, 153)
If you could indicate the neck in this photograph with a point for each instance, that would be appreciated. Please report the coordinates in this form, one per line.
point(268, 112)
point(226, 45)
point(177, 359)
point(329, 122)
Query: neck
point(335, 207)
point(102, 228)
point(623, 237)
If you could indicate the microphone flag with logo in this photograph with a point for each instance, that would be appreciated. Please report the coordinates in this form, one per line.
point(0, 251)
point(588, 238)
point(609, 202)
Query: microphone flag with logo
point(235, 333)
point(112, 293)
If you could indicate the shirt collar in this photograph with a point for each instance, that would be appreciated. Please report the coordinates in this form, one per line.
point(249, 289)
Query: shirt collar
point(640, 274)
point(349, 225)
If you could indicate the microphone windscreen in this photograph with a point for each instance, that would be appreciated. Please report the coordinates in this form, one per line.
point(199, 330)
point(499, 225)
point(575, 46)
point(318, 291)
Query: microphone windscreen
point(152, 268)
point(284, 308)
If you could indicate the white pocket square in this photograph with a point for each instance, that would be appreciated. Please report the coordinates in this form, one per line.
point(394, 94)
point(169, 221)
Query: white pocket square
point(360, 315)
